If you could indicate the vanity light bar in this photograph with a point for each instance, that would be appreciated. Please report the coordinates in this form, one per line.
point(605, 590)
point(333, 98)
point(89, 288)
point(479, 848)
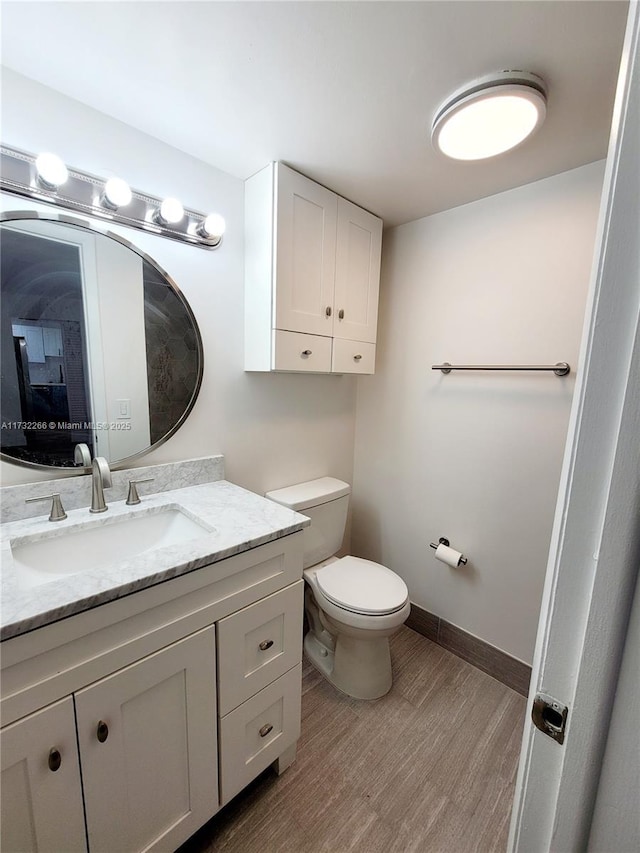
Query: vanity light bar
point(82, 192)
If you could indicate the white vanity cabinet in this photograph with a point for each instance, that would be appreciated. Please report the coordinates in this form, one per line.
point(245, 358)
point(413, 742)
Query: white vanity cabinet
point(147, 753)
point(148, 748)
point(41, 792)
point(153, 725)
point(258, 686)
point(312, 275)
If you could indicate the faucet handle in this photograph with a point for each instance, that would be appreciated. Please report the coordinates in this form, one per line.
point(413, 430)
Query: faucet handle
point(57, 510)
point(133, 497)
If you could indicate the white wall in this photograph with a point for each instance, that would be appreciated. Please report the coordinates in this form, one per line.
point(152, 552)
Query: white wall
point(475, 457)
point(273, 429)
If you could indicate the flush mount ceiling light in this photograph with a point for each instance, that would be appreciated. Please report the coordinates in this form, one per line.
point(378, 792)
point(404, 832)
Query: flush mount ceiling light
point(489, 116)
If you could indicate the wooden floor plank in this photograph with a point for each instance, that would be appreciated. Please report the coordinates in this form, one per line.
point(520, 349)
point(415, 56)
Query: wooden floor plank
point(428, 768)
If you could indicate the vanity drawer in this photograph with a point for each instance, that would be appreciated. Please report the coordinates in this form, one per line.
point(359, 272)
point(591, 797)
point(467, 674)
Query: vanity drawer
point(258, 732)
point(353, 357)
point(258, 644)
point(289, 350)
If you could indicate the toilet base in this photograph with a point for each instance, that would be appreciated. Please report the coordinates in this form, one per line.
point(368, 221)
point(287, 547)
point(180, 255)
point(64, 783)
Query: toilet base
point(319, 655)
point(361, 668)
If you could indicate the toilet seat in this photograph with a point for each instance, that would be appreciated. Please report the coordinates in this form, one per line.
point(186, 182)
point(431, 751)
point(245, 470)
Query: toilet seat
point(362, 587)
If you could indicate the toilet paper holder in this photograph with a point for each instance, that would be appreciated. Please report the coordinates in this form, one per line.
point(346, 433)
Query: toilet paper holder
point(443, 541)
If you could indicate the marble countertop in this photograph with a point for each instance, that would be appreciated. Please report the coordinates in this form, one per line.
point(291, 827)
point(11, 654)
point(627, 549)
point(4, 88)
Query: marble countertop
point(236, 520)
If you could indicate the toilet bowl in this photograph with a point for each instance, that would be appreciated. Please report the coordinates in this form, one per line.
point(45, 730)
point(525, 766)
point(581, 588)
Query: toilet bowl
point(351, 649)
point(352, 605)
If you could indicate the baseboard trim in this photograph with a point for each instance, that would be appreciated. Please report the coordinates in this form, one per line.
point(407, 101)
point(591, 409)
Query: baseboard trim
point(496, 663)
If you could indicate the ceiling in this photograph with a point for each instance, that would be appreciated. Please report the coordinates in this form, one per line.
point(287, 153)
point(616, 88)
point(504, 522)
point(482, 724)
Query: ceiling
point(342, 91)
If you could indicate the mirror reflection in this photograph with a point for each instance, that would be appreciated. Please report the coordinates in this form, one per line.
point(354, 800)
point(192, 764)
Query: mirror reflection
point(99, 347)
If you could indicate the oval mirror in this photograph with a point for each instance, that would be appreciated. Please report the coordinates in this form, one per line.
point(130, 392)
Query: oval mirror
point(99, 347)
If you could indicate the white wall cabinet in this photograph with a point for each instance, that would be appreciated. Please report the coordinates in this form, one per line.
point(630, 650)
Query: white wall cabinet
point(312, 276)
point(305, 241)
point(126, 697)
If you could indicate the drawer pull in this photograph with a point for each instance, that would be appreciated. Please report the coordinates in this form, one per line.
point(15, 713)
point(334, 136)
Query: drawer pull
point(55, 760)
point(102, 732)
point(264, 731)
point(306, 352)
point(341, 314)
point(328, 311)
point(265, 644)
point(357, 357)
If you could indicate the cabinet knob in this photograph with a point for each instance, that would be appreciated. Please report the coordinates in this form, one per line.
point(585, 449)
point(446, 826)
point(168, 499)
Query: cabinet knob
point(265, 644)
point(264, 731)
point(341, 314)
point(306, 352)
point(328, 311)
point(102, 732)
point(55, 759)
point(357, 357)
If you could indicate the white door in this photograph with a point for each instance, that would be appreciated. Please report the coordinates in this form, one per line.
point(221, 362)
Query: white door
point(147, 737)
point(305, 254)
point(358, 248)
point(85, 244)
point(593, 561)
point(41, 793)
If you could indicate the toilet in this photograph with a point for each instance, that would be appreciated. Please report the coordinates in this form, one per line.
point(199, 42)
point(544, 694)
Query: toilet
point(352, 605)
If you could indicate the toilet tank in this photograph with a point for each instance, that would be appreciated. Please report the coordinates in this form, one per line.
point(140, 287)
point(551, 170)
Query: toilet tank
point(325, 501)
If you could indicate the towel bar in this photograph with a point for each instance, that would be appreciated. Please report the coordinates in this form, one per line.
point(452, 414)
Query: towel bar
point(560, 369)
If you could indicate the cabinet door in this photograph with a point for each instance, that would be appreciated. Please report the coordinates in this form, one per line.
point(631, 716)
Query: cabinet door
point(41, 790)
point(359, 244)
point(147, 737)
point(305, 242)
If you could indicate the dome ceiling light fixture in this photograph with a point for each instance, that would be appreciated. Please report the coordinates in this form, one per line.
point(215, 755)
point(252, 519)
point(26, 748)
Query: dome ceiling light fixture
point(490, 115)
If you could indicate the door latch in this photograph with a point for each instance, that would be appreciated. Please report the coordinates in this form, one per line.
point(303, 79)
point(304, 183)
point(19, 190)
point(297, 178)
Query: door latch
point(550, 716)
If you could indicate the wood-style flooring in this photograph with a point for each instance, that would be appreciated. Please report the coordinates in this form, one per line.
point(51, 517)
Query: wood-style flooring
point(428, 768)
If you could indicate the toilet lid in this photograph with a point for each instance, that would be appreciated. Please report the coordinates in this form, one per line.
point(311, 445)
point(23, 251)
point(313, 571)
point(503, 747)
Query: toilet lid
point(362, 586)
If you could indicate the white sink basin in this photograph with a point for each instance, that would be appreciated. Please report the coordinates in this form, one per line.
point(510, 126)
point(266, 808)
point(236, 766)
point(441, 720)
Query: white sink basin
point(58, 556)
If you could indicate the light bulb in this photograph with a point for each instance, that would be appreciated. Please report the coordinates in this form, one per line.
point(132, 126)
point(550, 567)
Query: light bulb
point(117, 193)
point(212, 227)
point(51, 170)
point(171, 211)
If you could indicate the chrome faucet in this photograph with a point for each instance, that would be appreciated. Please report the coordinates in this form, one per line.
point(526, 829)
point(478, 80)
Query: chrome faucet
point(81, 455)
point(100, 480)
